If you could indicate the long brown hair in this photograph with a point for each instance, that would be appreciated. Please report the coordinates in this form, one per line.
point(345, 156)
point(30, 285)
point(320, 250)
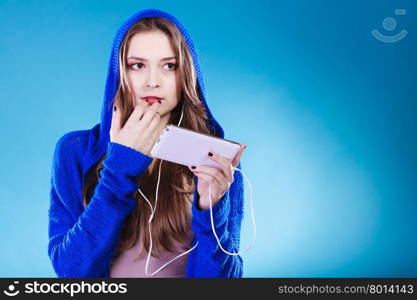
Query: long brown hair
point(176, 183)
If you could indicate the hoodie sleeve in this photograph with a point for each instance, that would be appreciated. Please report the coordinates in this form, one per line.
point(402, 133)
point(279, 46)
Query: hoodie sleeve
point(83, 244)
point(208, 260)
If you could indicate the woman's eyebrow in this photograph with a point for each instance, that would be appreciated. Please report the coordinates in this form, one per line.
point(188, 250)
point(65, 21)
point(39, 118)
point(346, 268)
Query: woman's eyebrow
point(144, 59)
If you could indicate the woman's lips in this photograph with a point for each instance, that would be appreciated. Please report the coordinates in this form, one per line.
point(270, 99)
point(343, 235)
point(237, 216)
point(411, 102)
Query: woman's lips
point(152, 100)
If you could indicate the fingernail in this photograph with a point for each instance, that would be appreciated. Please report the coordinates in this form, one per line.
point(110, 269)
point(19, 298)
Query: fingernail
point(193, 167)
point(210, 154)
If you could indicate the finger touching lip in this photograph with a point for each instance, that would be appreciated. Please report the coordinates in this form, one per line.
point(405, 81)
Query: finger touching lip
point(152, 101)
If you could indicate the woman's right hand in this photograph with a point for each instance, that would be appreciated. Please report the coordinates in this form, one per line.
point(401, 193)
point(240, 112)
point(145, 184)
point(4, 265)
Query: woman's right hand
point(139, 130)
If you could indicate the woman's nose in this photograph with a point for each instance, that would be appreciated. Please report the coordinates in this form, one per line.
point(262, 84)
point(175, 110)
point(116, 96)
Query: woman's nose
point(152, 80)
point(152, 85)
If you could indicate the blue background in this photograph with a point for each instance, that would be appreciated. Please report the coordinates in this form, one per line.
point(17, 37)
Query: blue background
point(327, 111)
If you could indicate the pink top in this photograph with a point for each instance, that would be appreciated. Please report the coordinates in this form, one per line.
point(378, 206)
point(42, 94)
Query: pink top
point(130, 264)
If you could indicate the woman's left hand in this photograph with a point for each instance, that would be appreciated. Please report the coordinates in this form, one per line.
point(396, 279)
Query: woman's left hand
point(219, 180)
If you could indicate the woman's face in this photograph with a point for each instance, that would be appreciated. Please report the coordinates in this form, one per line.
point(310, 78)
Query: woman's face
point(152, 69)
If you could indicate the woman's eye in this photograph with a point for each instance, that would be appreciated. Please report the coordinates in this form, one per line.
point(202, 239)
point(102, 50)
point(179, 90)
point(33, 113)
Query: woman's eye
point(171, 66)
point(138, 64)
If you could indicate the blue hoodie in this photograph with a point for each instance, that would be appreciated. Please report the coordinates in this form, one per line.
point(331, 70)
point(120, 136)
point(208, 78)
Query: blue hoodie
point(83, 241)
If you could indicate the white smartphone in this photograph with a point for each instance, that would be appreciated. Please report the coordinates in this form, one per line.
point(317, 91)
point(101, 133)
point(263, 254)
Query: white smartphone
point(189, 148)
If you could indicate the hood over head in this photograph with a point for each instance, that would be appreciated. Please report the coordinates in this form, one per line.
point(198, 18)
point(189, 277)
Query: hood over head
point(100, 135)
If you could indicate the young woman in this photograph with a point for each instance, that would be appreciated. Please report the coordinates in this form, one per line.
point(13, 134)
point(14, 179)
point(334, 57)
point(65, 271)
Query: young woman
point(104, 179)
